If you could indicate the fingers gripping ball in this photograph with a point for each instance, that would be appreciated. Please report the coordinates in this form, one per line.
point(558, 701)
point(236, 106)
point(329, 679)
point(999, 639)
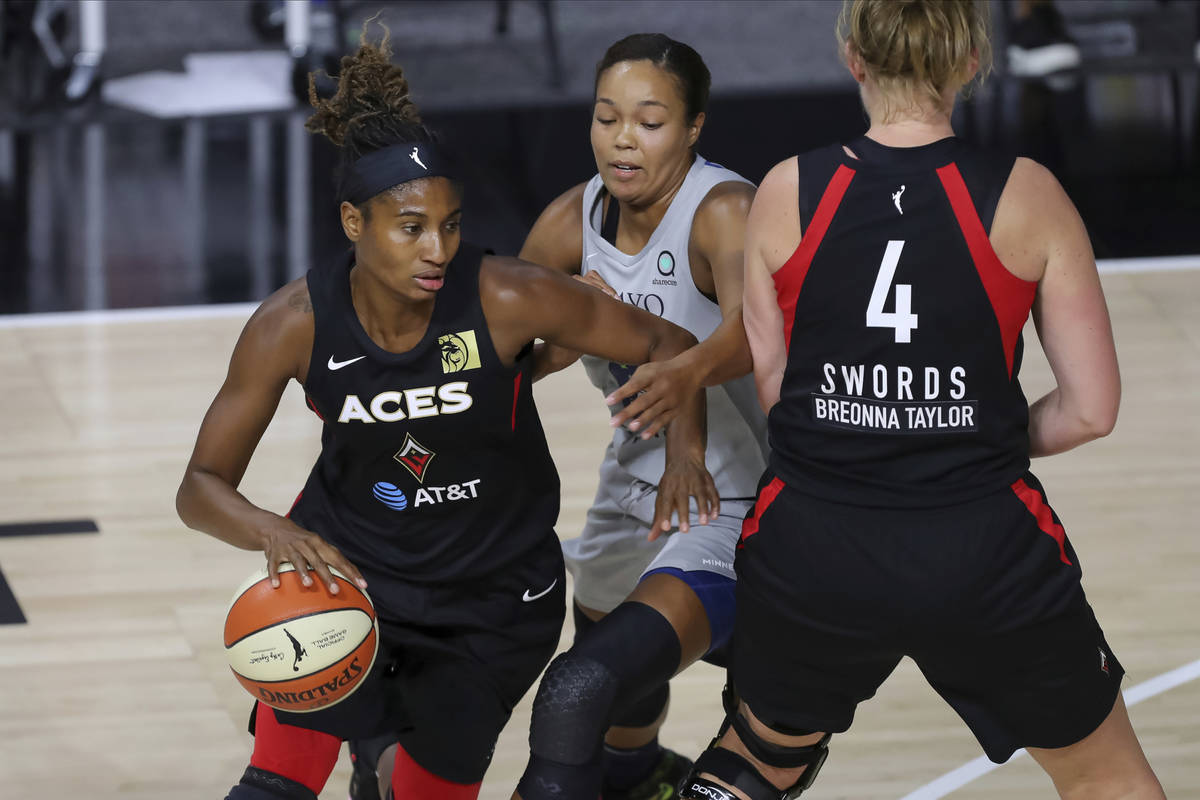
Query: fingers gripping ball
point(300, 648)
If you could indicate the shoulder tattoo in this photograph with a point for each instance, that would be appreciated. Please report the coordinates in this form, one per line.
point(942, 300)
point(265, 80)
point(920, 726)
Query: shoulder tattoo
point(299, 300)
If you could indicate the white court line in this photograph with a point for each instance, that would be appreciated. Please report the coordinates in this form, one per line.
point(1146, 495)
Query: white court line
point(1157, 264)
point(957, 778)
point(167, 313)
point(117, 315)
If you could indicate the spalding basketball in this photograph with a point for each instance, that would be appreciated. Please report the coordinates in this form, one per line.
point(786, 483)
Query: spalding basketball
point(300, 648)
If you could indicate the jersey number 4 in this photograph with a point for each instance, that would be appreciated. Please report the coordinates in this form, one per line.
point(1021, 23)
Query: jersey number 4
point(902, 320)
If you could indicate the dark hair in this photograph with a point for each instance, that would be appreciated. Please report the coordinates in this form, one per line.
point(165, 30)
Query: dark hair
point(676, 58)
point(371, 109)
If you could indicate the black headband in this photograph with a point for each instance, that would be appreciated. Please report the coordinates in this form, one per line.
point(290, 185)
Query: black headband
point(381, 170)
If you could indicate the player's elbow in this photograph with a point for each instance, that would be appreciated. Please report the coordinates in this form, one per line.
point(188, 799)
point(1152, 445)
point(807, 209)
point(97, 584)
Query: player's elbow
point(1097, 417)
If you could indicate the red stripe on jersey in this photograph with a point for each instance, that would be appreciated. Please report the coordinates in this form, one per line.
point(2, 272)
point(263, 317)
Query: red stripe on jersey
point(790, 277)
point(765, 498)
point(311, 405)
point(1036, 504)
point(516, 394)
point(295, 503)
point(1010, 296)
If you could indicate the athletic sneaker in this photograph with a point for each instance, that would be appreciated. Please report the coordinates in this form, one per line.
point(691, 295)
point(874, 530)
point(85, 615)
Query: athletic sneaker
point(364, 783)
point(661, 784)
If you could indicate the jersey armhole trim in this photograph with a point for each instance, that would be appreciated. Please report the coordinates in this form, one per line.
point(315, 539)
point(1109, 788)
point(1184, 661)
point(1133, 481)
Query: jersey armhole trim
point(1011, 297)
point(790, 277)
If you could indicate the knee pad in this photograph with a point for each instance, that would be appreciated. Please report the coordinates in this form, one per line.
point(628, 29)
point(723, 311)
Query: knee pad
point(645, 710)
point(599, 679)
point(548, 780)
point(571, 709)
point(259, 784)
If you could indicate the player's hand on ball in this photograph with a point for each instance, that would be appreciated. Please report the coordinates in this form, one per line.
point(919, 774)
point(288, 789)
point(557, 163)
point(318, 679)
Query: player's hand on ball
point(307, 552)
point(684, 479)
point(658, 389)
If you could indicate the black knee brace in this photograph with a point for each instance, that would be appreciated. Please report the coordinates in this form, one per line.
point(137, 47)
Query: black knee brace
point(636, 713)
point(736, 771)
point(259, 784)
point(585, 689)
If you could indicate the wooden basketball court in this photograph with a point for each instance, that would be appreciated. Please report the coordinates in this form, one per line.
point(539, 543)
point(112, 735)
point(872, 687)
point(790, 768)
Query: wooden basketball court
point(116, 685)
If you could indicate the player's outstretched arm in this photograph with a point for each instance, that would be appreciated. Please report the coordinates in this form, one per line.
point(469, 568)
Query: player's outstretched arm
point(274, 347)
point(717, 244)
point(523, 301)
point(1071, 318)
point(772, 235)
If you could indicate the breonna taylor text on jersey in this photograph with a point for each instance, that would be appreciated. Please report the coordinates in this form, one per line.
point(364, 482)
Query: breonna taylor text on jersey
point(433, 466)
point(903, 330)
point(659, 280)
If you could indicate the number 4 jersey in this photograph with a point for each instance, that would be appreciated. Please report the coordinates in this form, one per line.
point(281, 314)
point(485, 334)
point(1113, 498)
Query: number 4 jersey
point(903, 330)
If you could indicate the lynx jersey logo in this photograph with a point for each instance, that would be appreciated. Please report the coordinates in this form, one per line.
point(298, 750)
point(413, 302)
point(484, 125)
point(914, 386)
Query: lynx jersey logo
point(424, 401)
point(459, 351)
point(414, 457)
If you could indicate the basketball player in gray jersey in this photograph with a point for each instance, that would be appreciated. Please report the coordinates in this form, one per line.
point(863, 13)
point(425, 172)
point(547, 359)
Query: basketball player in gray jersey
point(661, 228)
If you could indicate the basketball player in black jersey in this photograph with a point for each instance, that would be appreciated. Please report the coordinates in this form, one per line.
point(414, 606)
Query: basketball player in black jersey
point(887, 284)
point(434, 486)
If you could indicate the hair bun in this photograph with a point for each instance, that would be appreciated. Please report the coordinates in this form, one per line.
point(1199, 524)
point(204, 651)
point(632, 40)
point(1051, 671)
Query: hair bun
point(372, 105)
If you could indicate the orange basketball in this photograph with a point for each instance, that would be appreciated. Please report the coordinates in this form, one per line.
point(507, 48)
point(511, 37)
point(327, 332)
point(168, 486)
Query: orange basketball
point(300, 648)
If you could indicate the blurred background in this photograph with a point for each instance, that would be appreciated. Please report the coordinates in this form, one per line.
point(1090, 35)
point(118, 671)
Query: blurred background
point(152, 152)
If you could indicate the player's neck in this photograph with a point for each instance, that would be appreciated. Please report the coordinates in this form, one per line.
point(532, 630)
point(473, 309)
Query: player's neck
point(911, 131)
point(638, 222)
point(395, 323)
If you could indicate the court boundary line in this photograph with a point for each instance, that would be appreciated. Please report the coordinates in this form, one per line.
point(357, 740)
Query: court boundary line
point(960, 777)
point(1107, 266)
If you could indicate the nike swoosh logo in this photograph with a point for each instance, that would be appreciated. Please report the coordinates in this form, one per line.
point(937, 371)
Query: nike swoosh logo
point(336, 365)
point(528, 598)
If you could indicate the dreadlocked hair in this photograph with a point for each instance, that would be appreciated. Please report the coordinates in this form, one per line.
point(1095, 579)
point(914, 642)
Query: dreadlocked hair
point(372, 108)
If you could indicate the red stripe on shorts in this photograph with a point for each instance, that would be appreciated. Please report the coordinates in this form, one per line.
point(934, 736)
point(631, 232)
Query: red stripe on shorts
point(1036, 504)
point(765, 498)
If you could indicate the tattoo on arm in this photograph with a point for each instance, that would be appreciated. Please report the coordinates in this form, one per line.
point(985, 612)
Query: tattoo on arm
point(300, 301)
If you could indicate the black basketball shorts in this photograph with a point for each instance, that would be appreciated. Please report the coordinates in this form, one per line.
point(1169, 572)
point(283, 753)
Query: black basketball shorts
point(453, 664)
point(984, 596)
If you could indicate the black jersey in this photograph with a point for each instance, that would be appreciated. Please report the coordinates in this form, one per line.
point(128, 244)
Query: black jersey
point(433, 467)
point(903, 330)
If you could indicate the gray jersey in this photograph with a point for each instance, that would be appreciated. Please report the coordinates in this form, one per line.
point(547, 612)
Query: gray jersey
point(659, 279)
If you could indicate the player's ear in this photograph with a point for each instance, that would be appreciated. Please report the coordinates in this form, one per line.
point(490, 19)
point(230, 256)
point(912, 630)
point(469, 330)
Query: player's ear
point(694, 129)
point(353, 221)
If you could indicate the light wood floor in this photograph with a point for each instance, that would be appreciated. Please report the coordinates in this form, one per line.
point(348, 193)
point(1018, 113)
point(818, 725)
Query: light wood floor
point(117, 687)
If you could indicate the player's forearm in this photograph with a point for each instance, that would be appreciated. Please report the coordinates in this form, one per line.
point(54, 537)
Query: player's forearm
point(207, 503)
point(1056, 425)
point(550, 358)
point(723, 356)
point(687, 434)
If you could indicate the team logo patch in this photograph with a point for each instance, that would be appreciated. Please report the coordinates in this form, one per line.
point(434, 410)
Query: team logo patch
point(414, 457)
point(459, 351)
